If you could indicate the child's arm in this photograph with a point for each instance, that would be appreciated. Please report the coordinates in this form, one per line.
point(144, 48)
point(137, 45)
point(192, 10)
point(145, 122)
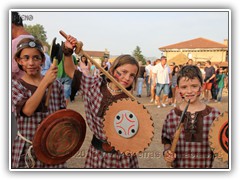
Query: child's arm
point(168, 156)
point(33, 102)
point(69, 65)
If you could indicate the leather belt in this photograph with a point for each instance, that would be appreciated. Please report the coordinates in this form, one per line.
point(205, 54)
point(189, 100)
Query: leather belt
point(102, 145)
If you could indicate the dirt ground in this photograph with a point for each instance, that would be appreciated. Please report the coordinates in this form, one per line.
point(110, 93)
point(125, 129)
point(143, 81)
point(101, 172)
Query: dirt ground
point(152, 156)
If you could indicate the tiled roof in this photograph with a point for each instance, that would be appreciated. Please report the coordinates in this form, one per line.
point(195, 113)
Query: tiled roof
point(194, 44)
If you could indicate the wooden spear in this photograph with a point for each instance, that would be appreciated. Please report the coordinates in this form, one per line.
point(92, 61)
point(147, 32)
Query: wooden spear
point(177, 133)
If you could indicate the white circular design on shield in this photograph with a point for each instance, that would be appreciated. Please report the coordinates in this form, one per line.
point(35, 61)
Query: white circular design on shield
point(126, 124)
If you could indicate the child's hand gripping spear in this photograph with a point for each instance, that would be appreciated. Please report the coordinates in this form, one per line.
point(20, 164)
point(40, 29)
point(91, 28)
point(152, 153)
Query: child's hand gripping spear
point(177, 133)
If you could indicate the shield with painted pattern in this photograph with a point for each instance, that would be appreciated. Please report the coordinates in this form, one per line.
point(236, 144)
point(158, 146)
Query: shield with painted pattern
point(128, 126)
point(218, 137)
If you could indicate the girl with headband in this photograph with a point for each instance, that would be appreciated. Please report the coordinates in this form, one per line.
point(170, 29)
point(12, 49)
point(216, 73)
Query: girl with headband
point(29, 96)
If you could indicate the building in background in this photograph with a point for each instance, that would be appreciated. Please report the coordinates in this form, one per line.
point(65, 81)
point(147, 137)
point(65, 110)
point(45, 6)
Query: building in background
point(98, 56)
point(199, 50)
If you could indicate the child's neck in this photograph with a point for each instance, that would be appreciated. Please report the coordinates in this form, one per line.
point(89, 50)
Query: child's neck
point(194, 106)
point(33, 80)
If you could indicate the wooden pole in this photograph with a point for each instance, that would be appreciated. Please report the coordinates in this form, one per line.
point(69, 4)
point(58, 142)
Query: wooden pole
point(99, 67)
point(178, 132)
point(55, 62)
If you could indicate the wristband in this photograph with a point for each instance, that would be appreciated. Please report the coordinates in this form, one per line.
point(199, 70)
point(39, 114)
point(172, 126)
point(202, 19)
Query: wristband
point(67, 51)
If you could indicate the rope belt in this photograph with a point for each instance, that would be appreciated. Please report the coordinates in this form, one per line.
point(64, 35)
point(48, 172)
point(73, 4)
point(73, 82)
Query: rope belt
point(29, 161)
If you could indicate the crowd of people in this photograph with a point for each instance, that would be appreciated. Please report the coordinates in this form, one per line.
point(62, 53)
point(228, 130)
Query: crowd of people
point(166, 84)
point(161, 81)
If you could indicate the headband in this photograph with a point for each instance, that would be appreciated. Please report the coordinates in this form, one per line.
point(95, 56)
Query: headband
point(30, 44)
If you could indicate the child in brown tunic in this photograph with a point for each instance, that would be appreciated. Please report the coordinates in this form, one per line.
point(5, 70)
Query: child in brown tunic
point(193, 150)
point(28, 96)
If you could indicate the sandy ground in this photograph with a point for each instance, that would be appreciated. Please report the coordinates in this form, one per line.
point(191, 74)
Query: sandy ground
point(152, 156)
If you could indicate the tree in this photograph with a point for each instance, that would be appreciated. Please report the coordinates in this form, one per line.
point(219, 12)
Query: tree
point(137, 53)
point(38, 32)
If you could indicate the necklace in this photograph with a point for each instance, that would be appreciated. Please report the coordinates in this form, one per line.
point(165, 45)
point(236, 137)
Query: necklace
point(112, 90)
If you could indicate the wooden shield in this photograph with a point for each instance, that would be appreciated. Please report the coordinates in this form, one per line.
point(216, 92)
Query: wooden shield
point(128, 126)
point(59, 136)
point(218, 137)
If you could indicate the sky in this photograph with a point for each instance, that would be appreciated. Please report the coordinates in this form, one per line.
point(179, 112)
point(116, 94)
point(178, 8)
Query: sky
point(120, 31)
point(156, 34)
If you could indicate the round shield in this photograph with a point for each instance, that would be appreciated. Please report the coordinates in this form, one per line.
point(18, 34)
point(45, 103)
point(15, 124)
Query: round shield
point(128, 126)
point(59, 136)
point(218, 137)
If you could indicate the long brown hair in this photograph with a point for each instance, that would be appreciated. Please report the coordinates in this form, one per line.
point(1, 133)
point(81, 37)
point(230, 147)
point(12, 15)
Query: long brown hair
point(124, 59)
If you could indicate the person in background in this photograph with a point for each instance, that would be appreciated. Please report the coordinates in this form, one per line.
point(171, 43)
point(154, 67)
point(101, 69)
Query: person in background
point(153, 85)
point(94, 70)
point(161, 72)
point(170, 94)
point(174, 84)
point(105, 67)
point(220, 84)
point(203, 76)
point(226, 79)
point(18, 33)
point(140, 80)
point(107, 62)
point(66, 80)
point(84, 65)
point(47, 62)
point(190, 62)
point(147, 78)
point(208, 81)
point(214, 83)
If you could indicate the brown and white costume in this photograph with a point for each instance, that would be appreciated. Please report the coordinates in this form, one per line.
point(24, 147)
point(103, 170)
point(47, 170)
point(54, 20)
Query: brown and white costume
point(193, 150)
point(21, 92)
point(97, 98)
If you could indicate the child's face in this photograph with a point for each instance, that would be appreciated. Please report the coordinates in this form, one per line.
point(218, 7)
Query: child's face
point(190, 89)
point(31, 61)
point(84, 59)
point(176, 69)
point(126, 74)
